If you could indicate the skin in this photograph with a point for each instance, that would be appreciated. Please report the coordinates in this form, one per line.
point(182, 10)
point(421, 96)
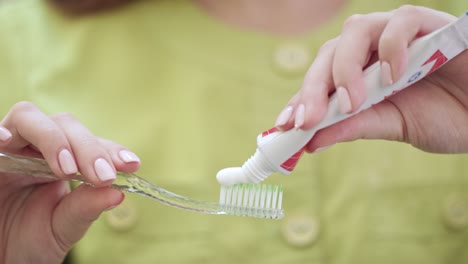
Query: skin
point(430, 115)
point(44, 218)
point(278, 17)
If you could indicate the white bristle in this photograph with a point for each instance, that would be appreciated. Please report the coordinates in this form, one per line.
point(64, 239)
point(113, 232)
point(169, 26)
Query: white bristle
point(268, 198)
point(246, 196)
point(280, 198)
point(252, 200)
point(275, 195)
point(262, 197)
point(251, 196)
point(228, 196)
point(235, 191)
point(222, 196)
point(257, 197)
point(239, 195)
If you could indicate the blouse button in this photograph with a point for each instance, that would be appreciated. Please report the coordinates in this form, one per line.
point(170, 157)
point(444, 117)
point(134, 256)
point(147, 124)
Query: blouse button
point(291, 59)
point(123, 217)
point(300, 230)
point(455, 212)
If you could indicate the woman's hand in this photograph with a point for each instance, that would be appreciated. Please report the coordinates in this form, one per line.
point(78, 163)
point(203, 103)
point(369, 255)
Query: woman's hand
point(41, 219)
point(431, 115)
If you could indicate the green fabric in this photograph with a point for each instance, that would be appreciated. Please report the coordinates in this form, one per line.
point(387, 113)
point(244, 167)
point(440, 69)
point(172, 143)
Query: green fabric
point(189, 95)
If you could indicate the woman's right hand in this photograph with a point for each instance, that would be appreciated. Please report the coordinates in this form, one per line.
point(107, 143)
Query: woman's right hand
point(41, 219)
point(431, 114)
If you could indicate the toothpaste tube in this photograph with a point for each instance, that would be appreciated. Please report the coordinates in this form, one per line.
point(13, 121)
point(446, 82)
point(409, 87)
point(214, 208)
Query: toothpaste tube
point(279, 151)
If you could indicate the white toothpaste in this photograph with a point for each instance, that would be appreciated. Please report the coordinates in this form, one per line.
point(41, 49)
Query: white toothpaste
point(279, 151)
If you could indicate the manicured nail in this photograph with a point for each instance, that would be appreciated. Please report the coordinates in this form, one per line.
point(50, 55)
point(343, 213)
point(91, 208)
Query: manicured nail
point(5, 134)
point(284, 116)
point(128, 156)
point(103, 170)
point(386, 73)
point(300, 115)
point(67, 163)
point(344, 101)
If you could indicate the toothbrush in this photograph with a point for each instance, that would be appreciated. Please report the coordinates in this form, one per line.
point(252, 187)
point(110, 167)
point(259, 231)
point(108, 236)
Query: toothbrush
point(250, 200)
point(280, 151)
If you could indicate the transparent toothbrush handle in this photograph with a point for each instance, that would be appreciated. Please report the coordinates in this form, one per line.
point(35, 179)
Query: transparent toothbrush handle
point(22, 165)
point(129, 182)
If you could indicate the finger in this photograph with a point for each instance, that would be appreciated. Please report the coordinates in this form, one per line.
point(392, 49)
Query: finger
point(359, 38)
point(124, 160)
point(5, 136)
point(79, 209)
point(94, 162)
point(381, 121)
point(317, 85)
point(29, 126)
point(394, 42)
point(35, 226)
point(310, 103)
point(285, 119)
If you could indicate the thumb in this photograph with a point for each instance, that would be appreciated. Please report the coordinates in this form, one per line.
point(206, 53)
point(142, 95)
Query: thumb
point(381, 121)
point(79, 209)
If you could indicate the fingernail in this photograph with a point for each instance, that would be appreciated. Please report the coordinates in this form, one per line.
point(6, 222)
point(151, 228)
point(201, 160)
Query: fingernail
point(67, 163)
point(5, 134)
point(386, 73)
point(103, 170)
point(128, 156)
point(300, 115)
point(343, 100)
point(284, 116)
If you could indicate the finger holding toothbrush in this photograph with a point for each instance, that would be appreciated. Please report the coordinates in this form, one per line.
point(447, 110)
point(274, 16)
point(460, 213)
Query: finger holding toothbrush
point(45, 217)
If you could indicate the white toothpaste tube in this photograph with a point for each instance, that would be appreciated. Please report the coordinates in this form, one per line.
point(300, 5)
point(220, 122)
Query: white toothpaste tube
point(279, 151)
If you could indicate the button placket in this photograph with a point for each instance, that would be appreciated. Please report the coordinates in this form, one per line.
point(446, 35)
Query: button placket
point(300, 230)
point(123, 217)
point(301, 226)
point(291, 59)
point(455, 211)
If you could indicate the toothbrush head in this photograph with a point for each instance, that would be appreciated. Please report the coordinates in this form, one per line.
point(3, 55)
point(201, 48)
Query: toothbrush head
point(253, 200)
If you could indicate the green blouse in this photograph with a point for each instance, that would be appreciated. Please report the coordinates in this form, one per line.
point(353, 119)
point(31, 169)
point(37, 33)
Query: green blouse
point(189, 95)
